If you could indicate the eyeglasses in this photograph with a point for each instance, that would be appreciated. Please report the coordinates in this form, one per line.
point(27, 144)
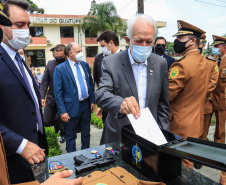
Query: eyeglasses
point(163, 45)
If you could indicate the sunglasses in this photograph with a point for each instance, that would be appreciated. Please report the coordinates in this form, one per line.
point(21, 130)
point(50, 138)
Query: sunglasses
point(163, 45)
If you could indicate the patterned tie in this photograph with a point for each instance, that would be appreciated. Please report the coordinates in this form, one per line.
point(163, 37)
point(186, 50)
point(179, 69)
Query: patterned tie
point(38, 114)
point(219, 62)
point(81, 82)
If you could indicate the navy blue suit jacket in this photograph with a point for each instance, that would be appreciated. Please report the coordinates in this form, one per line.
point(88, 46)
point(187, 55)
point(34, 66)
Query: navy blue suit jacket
point(17, 109)
point(170, 60)
point(65, 88)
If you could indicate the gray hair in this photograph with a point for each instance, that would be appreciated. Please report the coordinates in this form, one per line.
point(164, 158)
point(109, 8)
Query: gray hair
point(197, 39)
point(133, 20)
point(69, 47)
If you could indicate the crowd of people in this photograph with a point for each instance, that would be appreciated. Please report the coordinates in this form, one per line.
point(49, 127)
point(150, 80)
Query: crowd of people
point(181, 94)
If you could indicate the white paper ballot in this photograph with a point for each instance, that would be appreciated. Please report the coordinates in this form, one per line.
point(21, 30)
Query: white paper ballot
point(146, 127)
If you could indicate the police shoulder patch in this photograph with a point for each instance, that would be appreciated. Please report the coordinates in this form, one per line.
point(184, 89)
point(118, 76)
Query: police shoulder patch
point(174, 72)
point(212, 58)
point(216, 68)
point(180, 58)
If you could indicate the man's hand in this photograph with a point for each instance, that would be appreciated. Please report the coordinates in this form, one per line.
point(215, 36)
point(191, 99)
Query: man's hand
point(59, 179)
point(130, 105)
point(99, 112)
point(92, 107)
point(43, 102)
point(33, 153)
point(65, 117)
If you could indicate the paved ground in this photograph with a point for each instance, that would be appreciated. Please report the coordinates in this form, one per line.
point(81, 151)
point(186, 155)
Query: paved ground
point(95, 140)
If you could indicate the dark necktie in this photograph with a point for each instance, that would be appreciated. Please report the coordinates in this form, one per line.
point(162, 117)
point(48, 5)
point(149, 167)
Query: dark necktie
point(81, 82)
point(38, 114)
point(219, 62)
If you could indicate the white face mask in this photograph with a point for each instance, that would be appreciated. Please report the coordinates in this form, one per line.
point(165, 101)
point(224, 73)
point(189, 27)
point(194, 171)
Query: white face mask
point(105, 51)
point(23, 57)
point(21, 38)
point(79, 56)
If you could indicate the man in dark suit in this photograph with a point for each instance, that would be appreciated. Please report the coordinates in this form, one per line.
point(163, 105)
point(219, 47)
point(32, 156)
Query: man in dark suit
point(20, 106)
point(74, 95)
point(134, 79)
point(160, 47)
point(50, 117)
point(109, 43)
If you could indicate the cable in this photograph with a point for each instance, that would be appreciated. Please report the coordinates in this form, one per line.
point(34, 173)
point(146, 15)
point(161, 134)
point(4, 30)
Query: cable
point(125, 6)
point(209, 3)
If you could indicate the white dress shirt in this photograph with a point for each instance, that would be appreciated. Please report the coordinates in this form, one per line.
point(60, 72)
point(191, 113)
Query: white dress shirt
point(12, 55)
point(74, 70)
point(140, 74)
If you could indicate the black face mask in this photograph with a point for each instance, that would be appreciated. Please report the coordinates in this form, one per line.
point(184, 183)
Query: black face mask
point(1, 35)
point(60, 60)
point(160, 50)
point(179, 47)
point(200, 50)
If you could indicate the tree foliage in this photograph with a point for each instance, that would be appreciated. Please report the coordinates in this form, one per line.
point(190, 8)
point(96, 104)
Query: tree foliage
point(102, 17)
point(208, 50)
point(34, 8)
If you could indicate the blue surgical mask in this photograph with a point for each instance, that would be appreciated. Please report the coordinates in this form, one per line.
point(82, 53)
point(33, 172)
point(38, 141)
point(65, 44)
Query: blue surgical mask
point(216, 51)
point(141, 53)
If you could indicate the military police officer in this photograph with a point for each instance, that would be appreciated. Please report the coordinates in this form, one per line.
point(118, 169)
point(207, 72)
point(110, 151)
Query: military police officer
point(213, 73)
point(187, 84)
point(219, 94)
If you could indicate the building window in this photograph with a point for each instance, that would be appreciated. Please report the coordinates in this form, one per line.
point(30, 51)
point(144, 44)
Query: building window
point(66, 32)
point(36, 31)
point(37, 57)
point(87, 34)
point(91, 51)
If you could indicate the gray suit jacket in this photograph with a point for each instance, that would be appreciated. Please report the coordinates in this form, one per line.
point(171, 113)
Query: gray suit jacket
point(118, 82)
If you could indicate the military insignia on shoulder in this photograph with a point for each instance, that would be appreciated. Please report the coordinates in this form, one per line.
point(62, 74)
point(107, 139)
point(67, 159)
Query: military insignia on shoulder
point(212, 58)
point(174, 72)
point(180, 58)
point(216, 68)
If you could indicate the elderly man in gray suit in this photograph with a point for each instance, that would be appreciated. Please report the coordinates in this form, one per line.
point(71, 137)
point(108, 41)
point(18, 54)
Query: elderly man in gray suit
point(134, 79)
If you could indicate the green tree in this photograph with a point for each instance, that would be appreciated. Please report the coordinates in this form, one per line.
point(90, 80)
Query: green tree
point(102, 17)
point(208, 50)
point(34, 8)
point(170, 47)
point(93, 10)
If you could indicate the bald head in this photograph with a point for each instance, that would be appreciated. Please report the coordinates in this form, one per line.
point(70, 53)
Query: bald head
point(72, 50)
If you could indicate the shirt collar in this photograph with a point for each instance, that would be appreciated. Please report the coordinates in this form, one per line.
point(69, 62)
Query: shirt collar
point(132, 60)
point(71, 62)
point(117, 51)
point(9, 50)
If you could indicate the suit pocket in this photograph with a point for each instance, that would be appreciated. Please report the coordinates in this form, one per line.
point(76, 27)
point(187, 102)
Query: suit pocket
point(67, 99)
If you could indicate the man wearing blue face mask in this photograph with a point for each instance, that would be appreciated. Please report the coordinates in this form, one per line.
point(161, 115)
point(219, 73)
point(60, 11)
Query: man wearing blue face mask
point(20, 109)
point(134, 79)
